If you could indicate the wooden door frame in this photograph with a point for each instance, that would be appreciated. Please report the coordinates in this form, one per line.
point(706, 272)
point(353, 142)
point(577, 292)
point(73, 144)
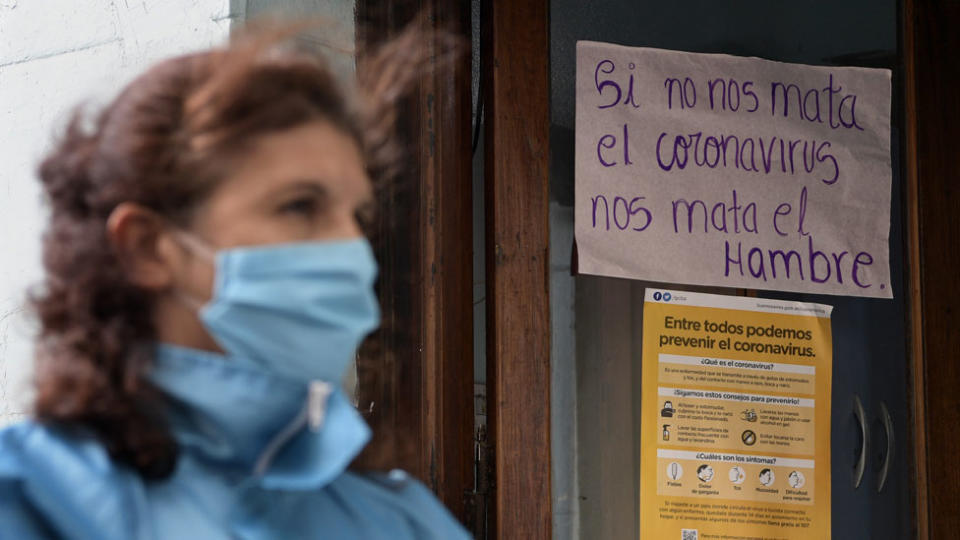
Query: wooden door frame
point(931, 32)
point(516, 60)
point(419, 367)
point(425, 350)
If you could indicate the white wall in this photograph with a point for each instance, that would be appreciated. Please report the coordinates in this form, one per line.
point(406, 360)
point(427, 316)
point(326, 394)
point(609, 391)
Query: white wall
point(54, 53)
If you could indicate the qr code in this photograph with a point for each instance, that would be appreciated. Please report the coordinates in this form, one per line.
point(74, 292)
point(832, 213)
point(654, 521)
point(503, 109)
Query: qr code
point(689, 534)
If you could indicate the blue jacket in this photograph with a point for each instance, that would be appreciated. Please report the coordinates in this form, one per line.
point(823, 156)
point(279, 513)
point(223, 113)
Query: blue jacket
point(249, 468)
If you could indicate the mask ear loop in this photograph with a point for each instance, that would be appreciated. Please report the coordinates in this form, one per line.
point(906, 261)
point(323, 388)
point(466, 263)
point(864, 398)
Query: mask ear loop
point(194, 244)
point(188, 300)
point(200, 247)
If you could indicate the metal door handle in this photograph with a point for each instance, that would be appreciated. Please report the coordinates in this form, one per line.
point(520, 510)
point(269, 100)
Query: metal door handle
point(861, 417)
point(887, 422)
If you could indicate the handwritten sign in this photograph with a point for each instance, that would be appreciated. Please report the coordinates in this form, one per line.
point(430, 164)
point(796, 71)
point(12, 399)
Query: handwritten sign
point(738, 172)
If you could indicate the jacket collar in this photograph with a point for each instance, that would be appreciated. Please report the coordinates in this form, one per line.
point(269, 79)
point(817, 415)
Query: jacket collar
point(235, 414)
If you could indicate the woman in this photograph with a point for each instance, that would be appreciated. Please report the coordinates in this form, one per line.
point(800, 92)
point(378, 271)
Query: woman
point(207, 285)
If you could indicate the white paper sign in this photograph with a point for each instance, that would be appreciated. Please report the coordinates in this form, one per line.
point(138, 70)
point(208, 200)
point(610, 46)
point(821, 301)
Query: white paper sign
point(737, 172)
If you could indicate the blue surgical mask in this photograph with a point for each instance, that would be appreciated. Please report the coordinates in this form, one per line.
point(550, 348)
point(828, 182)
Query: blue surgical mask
point(299, 310)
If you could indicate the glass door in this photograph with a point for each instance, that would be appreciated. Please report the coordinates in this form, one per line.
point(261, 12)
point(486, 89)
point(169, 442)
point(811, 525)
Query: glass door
point(597, 321)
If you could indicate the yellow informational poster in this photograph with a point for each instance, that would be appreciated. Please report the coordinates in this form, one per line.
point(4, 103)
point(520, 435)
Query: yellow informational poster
point(735, 417)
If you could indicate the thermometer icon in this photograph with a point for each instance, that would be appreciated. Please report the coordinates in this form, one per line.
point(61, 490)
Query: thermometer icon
point(674, 471)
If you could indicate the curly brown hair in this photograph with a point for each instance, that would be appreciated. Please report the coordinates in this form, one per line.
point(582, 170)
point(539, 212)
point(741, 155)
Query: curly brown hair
point(164, 142)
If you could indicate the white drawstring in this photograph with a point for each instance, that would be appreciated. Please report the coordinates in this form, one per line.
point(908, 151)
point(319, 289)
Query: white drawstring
point(313, 414)
point(317, 396)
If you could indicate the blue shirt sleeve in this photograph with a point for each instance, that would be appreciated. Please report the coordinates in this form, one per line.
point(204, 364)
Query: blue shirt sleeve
point(53, 485)
point(18, 519)
point(427, 516)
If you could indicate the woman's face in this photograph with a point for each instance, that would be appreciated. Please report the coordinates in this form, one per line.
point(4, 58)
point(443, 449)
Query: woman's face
point(307, 183)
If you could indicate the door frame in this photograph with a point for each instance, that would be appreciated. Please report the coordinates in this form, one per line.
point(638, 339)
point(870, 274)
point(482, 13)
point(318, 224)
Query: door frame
point(516, 87)
point(417, 371)
point(930, 40)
